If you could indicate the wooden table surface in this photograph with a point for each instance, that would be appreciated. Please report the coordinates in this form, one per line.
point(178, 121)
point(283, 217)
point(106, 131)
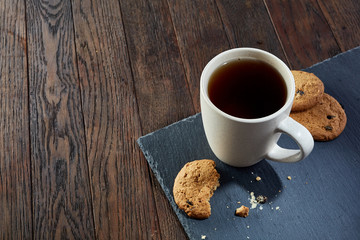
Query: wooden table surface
point(82, 80)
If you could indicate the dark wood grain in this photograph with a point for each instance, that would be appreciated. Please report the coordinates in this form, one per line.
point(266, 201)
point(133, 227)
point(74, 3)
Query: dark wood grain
point(123, 200)
point(195, 23)
point(229, 24)
point(303, 30)
point(61, 191)
point(248, 24)
point(204, 29)
point(161, 88)
point(81, 80)
point(15, 171)
point(160, 82)
point(343, 18)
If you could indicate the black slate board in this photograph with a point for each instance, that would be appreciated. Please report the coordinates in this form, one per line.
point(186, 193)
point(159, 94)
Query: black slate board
point(319, 202)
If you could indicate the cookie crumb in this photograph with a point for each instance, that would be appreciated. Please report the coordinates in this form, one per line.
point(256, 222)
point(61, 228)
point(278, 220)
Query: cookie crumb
point(289, 177)
point(238, 202)
point(277, 208)
point(253, 201)
point(203, 236)
point(242, 211)
point(261, 199)
point(258, 178)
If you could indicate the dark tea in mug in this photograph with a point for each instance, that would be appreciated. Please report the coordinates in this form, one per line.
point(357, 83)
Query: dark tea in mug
point(247, 88)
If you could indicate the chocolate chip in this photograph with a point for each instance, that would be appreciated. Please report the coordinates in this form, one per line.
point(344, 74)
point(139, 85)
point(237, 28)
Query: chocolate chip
point(300, 92)
point(328, 128)
point(330, 116)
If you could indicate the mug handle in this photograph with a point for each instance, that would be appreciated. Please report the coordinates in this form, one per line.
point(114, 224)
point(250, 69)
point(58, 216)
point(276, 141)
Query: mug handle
point(302, 137)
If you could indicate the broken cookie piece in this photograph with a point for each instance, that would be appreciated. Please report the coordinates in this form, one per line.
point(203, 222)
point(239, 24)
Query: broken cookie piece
point(242, 211)
point(194, 186)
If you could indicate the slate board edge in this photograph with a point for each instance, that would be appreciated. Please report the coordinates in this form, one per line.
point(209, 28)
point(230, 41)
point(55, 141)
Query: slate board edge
point(153, 166)
point(336, 56)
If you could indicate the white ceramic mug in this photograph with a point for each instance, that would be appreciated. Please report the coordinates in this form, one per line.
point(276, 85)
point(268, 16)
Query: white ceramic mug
point(243, 142)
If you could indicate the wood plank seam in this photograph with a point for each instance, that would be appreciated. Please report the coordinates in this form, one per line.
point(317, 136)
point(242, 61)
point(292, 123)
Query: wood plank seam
point(149, 171)
point(62, 201)
point(328, 23)
point(181, 56)
point(15, 177)
point(152, 178)
point(224, 27)
point(29, 123)
point(105, 75)
point(83, 120)
point(222, 21)
point(159, 81)
point(277, 35)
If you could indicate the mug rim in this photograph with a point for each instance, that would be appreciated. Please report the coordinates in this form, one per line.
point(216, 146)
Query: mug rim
point(289, 98)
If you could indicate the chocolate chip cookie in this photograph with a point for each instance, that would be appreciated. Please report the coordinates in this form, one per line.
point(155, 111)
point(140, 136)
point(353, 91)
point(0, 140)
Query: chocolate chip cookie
point(325, 121)
point(194, 186)
point(308, 90)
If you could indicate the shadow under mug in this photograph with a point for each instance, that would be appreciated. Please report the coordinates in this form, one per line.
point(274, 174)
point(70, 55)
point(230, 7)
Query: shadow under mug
point(244, 142)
